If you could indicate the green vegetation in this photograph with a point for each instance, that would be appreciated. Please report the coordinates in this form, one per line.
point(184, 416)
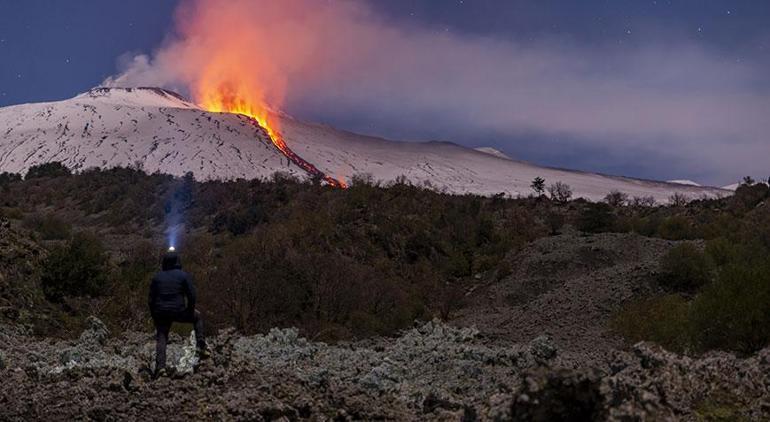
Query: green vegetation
point(335, 263)
point(685, 268)
point(733, 313)
point(371, 259)
point(661, 319)
point(720, 406)
point(727, 308)
point(48, 226)
point(717, 297)
point(596, 218)
point(47, 170)
point(538, 186)
point(560, 192)
point(79, 268)
point(6, 178)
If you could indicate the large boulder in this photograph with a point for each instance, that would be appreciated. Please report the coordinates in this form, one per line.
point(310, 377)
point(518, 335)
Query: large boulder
point(96, 334)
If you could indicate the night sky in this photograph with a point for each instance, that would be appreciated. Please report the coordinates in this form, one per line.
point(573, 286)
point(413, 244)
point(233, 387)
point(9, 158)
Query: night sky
point(51, 50)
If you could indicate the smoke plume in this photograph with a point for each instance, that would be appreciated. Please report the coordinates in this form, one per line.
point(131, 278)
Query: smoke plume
point(340, 58)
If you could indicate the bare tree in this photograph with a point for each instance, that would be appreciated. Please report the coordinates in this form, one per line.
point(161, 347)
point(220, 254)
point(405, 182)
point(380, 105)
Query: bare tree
point(560, 192)
point(616, 198)
point(538, 185)
point(678, 199)
point(643, 201)
point(363, 179)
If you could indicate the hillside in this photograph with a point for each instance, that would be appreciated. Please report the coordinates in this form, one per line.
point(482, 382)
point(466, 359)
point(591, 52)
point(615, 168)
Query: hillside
point(372, 303)
point(161, 132)
point(107, 128)
point(381, 303)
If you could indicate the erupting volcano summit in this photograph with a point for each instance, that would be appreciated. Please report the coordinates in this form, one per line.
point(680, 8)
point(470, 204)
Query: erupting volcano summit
point(161, 131)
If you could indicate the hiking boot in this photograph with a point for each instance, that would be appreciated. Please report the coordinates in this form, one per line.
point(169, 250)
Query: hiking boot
point(203, 353)
point(162, 372)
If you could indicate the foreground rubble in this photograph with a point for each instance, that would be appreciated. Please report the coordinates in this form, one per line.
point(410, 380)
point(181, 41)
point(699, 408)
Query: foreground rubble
point(433, 371)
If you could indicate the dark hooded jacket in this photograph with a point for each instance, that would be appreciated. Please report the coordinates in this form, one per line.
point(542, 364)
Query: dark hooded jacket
point(171, 291)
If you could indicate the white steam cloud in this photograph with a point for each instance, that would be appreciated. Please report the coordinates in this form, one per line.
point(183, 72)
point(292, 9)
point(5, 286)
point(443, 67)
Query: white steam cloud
point(677, 98)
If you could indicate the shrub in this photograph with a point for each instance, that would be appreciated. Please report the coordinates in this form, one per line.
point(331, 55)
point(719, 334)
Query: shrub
point(646, 226)
point(538, 186)
point(12, 213)
point(560, 192)
point(663, 320)
point(54, 169)
point(239, 221)
point(747, 196)
point(733, 313)
point(685, 268)
point(721, 252)
point(130, 285)
point(363, 179)
point(643, 202)
point(555, 221)
point(8, 178)
point(49, 226)
point(79, 268)
point(596, 218)
point(616, 198)
point(678, 200)
point(675, 228)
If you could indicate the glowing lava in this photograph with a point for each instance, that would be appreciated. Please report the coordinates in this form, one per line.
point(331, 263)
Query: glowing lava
point(224, 99)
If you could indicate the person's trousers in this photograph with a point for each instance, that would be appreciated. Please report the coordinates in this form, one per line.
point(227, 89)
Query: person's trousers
point(163, 326)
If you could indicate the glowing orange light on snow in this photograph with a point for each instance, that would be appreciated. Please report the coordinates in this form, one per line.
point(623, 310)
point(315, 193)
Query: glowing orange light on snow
point(226, 100)
point(234, 98)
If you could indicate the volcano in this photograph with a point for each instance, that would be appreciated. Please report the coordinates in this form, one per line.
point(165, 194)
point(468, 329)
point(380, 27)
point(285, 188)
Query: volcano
point(159, 131)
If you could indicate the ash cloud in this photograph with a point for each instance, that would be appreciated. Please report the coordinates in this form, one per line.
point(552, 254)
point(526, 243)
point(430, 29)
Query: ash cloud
point(340, 60)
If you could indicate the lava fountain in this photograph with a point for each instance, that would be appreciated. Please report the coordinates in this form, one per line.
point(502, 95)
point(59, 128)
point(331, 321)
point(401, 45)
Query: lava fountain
point(230, 98)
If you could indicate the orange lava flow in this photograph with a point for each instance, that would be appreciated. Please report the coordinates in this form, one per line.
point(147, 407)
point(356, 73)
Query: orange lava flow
point(225, 100)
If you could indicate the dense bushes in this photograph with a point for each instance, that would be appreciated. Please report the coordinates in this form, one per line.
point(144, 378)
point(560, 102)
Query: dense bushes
point(335, 263)
point(733, 313)
point(78, 268)
point(369, 259)
point(48, 226)
point(663, 320)
point(685, 268)
point(748, 196)
point(596, 218)
point(730, 311)
point(54, 169)
point(6, 177)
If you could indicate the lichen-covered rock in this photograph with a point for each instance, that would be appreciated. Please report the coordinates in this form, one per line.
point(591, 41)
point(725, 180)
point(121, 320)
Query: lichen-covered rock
point(432, 372)
point(189, 359)
point(96, 334)
point(543, 349)
point(384, 377)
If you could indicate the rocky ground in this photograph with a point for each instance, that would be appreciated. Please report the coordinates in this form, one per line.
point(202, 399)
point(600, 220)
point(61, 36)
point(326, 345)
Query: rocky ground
point(567, 287)
point(432, 372)
point(533, 346)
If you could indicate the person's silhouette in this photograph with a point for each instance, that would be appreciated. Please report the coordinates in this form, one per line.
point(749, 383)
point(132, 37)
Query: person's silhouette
point(172, 299)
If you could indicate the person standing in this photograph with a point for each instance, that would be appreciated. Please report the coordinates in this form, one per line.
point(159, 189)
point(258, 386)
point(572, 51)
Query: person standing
point(172, 299)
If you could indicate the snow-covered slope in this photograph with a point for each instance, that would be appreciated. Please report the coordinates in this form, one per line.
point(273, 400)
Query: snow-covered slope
point(455, 168)
point(493, 151)
point(684, 182)
point(164, 132)
point(121, 127)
